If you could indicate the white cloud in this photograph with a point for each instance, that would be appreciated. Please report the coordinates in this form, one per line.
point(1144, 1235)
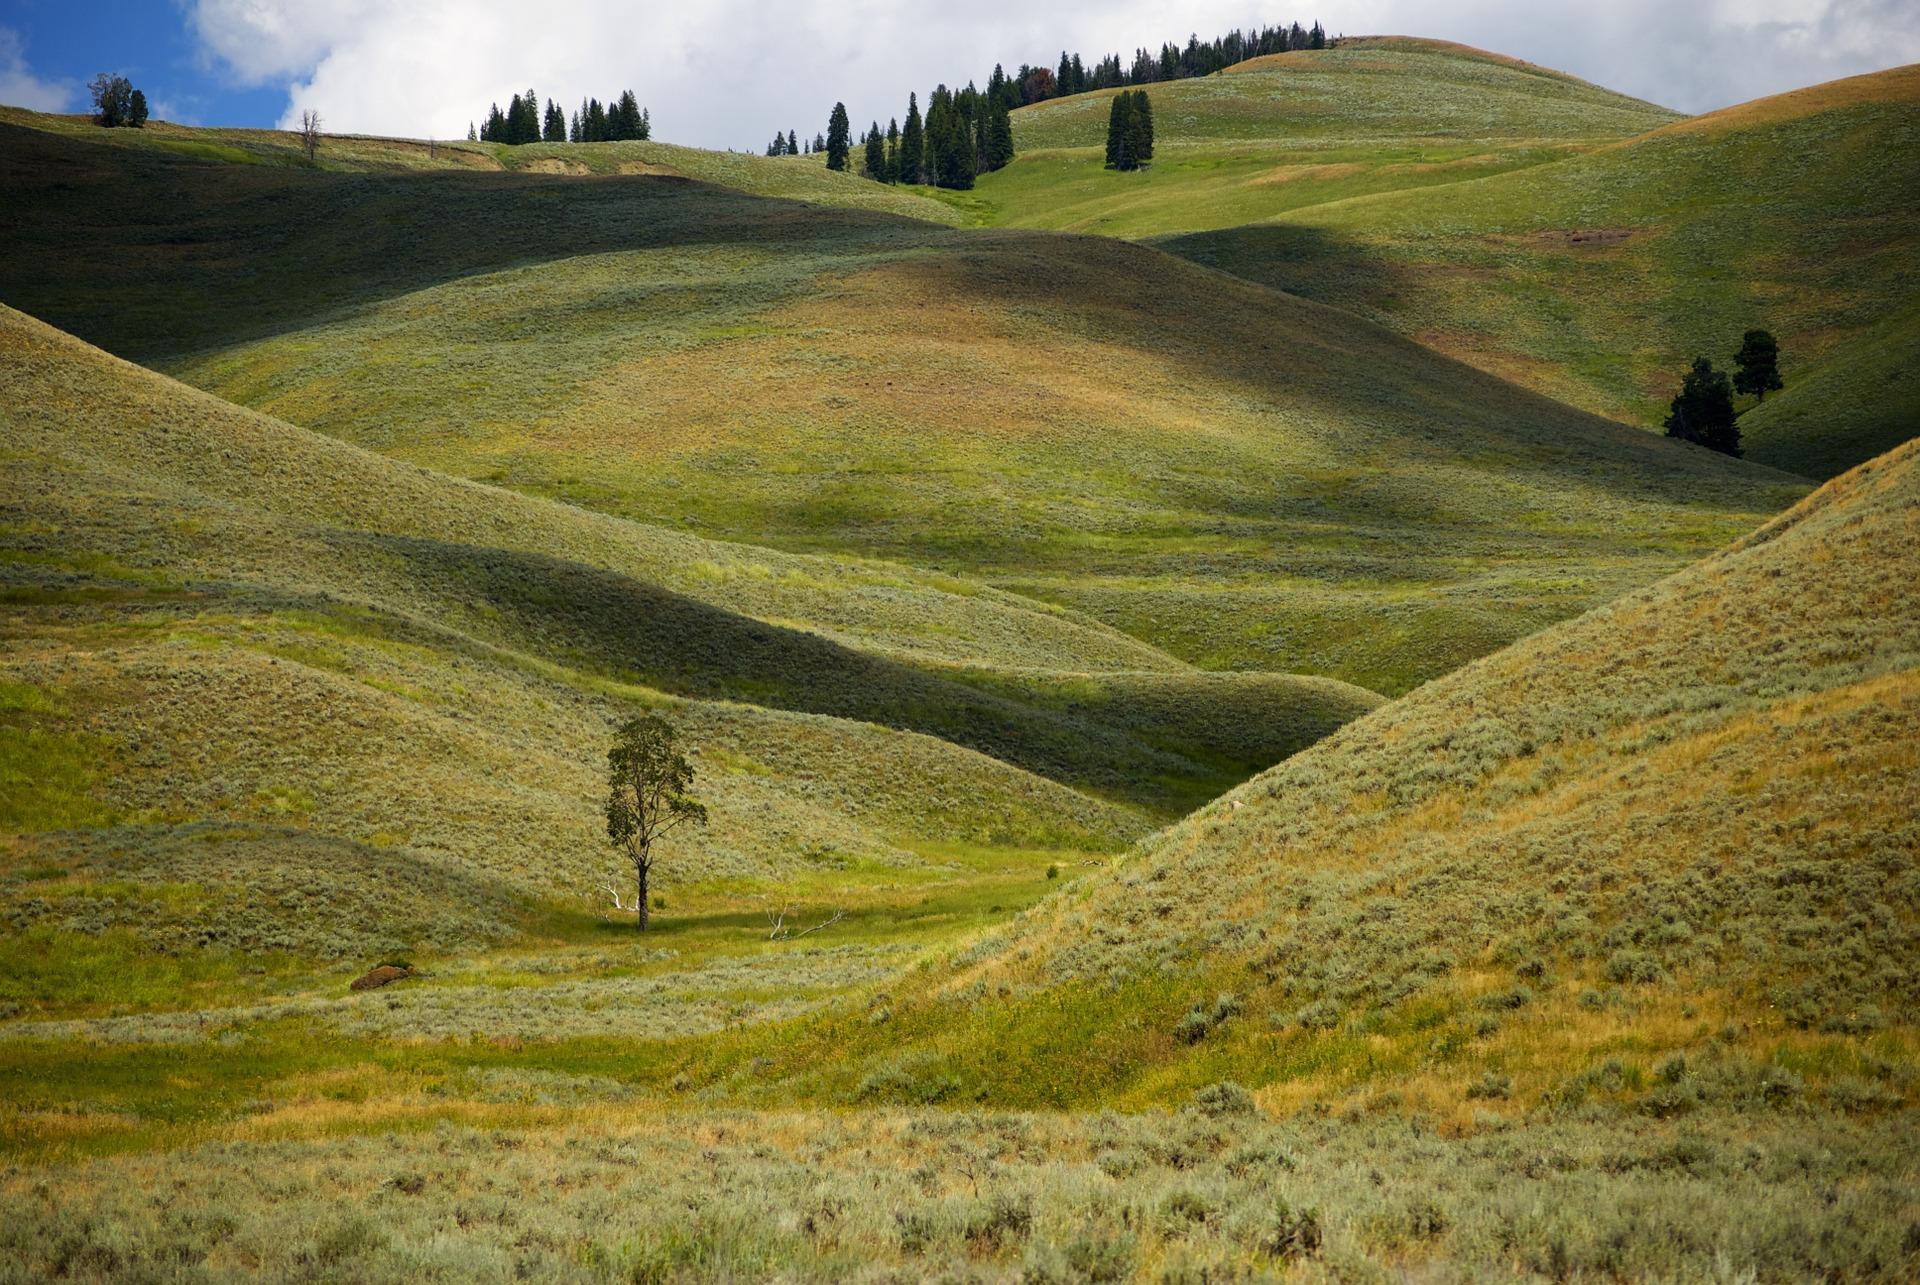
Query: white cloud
point(729, 72)
point(19, 87)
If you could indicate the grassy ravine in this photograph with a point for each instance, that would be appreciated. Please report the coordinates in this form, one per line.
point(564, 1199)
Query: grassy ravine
point(1577, 244)
point(1663, 856)
point(1231, 476)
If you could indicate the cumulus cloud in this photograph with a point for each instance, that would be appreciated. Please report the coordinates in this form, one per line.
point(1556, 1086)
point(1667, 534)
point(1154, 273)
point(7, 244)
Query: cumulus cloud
point(730, 72)
point(19, 87)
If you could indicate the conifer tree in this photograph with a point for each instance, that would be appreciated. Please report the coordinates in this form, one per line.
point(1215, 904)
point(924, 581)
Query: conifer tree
point(623, 119)
point(1702, 412)
point(137, 114)
point(555, 128)
point(876, 154)
point(839, 131)
point(793, 142)
point(893, 150)
point(913, 144)
point(1757, 365)
point(999, 137)
point(596, 123)
point(1142, 127)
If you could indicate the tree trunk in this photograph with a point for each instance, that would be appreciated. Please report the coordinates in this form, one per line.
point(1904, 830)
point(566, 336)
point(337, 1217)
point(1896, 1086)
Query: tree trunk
point(640, 882)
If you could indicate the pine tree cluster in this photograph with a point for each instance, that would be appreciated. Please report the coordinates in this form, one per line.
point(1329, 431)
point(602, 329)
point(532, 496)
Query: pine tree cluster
point(1702, 411)
point(1174, 62)
point(593, 122)
point(1129, 130)
point(965, 133)
point(968, 132)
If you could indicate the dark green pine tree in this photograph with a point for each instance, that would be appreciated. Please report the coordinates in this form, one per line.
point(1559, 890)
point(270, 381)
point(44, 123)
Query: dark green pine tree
point(1063, 79)
point(793, 142)
point(1116, 132)
point(893, 150)
point(495, 128)
point(1757, 365)
point(913, 144)
point(623, 121)
point(999, 137)
point(876, 154)
point(137, 116)
point(555, 128)
point(596, 124)
point(963, 162)
point(839, 137)
point(1702, 412)
point(1142, 127)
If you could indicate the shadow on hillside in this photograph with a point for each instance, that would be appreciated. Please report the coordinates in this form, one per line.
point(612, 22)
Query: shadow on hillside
point(1305, 261)
point(604, 622)
point(152, 255)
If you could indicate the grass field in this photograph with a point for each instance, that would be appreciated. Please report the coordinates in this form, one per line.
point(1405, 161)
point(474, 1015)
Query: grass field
point(1573, 242)
point(1302, 129)
point(1220, 471)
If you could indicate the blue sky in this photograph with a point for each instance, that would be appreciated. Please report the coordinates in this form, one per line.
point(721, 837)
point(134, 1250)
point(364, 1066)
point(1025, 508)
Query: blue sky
point(722, 73)
point(151, 43)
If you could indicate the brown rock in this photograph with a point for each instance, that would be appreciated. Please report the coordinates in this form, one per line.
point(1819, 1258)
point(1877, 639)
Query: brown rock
point(379, 977)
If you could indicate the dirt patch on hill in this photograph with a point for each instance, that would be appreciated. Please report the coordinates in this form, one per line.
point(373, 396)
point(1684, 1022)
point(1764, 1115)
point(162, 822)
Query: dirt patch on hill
point(554, 165)
point(648, 167)
point(1582, 236)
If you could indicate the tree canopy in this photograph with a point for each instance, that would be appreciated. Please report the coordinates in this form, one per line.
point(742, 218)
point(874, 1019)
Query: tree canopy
point(1129, 130)
point(116, 103)
point(1757, 365)
point(1702, 411)
point(648, 779)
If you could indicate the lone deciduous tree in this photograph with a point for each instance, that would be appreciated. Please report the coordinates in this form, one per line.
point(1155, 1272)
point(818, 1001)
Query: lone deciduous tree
point(310, 132)
point(1757, 365)
point(647, 782)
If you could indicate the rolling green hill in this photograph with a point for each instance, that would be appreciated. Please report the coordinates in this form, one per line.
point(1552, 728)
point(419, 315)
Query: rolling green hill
point(1597, 278)
point(796, 179)
point(1301, 129)
point(1663, 855)
point(1225, 473)
point(255, 654)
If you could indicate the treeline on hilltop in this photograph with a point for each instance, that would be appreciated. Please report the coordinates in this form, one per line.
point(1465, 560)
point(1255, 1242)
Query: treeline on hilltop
point(592, 122)
point(968, 132)
point(1173, 62)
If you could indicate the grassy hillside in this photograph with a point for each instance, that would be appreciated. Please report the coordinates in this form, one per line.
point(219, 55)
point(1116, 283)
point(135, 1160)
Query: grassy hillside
point(1227, 474)
point(270, 700)
point(798, 180)
point(1076, 420)
point(1596, 279)
point(1661, 857)
point(1301, 129)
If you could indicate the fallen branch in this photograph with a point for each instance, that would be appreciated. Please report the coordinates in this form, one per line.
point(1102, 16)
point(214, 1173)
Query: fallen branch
point(777, 922)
